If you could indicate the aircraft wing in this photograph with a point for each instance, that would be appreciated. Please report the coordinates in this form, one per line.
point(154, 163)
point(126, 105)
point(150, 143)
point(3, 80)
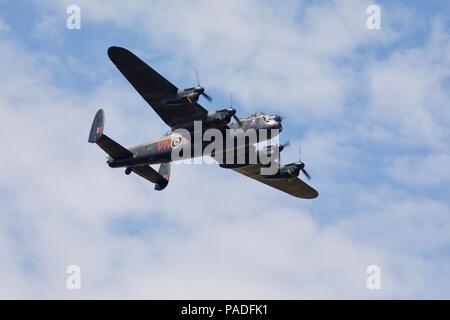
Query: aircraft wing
point(149, 173)
point(153, 87)
point(294, 186)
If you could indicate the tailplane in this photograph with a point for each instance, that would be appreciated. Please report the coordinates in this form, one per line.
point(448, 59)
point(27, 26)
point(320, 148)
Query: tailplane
point(119, 152)
point(96, 135)
point(164, 171)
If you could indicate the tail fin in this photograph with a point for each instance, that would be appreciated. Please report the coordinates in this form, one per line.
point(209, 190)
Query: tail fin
point(97, 127)
point(164, 171)
point(96, 135)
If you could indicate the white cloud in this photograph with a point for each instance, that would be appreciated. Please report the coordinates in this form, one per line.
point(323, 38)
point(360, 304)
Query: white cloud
point(4, 28)
point(408, 91)
point(269, 55)
point(219, 235)
point(428, 171)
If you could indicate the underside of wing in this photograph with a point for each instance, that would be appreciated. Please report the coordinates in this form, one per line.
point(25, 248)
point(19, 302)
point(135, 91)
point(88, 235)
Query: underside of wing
point(154, 88)
point(148, 173)
point(293, 186)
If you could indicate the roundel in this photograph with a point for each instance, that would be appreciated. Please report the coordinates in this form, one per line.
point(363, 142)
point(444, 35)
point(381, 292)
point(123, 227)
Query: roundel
point(176, 142)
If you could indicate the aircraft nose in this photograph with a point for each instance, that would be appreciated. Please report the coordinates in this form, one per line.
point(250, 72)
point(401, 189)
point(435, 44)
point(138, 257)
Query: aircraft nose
point(279, 126)
point(277, 118)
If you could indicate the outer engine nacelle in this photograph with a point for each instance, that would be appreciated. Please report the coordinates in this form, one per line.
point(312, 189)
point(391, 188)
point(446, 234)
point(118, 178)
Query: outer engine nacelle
point(184, 96)
point(288, 171)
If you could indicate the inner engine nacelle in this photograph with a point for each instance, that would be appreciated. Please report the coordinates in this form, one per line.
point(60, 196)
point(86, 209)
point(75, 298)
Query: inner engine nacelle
point(219, 118)
point(269, 150)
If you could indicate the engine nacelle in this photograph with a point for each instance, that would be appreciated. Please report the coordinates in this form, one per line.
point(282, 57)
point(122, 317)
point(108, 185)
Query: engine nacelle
point(185, 96)
point(288, 171)
point(219, 118)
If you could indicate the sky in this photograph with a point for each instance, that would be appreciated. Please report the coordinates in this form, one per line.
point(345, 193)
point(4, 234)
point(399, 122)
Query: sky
point(369, 109)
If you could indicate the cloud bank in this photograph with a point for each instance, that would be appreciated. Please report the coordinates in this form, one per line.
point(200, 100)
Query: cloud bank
point(369, 109)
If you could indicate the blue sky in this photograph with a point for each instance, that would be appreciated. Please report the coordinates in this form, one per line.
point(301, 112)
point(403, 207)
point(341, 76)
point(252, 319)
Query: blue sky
point(369, 109)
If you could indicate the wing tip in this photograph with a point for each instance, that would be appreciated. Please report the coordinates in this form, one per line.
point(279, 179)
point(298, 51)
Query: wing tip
point(308, 197)
point(312, 194)
point(115, 51)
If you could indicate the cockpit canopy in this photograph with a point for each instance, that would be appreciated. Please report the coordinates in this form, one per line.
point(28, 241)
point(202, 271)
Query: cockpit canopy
point(264, 116)
point(255, 114)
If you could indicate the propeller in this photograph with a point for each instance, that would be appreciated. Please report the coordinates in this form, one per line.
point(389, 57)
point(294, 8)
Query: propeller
point(279, 118)
point(201, 89)
point(301, 165)
point(234, 111)
point(284, 145)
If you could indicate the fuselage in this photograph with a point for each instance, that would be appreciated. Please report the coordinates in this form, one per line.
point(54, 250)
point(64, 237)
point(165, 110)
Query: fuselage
point(258, 125)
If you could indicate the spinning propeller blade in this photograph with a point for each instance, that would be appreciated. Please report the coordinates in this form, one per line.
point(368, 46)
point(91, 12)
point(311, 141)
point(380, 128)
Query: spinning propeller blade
point(302, 165)
point(207, 97)
point(234, 114)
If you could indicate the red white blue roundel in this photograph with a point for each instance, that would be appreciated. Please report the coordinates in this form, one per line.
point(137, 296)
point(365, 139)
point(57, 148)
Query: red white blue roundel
point(176, 142)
